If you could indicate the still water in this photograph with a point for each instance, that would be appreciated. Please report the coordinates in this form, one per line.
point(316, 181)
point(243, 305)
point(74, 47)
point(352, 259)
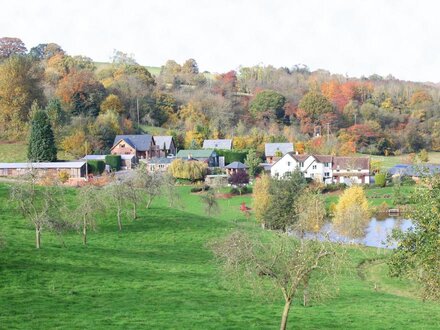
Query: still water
point(376, 233)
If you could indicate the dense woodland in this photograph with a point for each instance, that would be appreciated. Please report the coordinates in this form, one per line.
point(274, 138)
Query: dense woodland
point(89, 103)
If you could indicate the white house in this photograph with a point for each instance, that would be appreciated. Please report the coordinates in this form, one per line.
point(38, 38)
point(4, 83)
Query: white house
point(273, 151)
point(323, 168)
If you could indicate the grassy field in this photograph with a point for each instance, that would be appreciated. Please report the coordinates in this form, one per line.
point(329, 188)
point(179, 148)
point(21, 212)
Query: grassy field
point(158, 273)
point(390, 161)
point(17, 152)
point(376, 196)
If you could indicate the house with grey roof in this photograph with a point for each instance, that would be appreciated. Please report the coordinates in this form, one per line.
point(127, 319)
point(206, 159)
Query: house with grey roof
point(141, 145)
point(166, 145)
point(223, 144)
point(208, 156)
point(158, 164)
point(274, 151)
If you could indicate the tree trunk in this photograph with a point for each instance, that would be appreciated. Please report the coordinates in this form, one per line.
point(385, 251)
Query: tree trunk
point(149, 202)
point(37, 236)
point(84, 230)
point(119, 219)
point(134, 211)
point(285, 315)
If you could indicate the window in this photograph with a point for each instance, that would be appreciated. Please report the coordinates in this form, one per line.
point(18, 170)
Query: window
point(301, 164)
point(288, 163)
point(327, 174)
point(327, 164)
point(122, 145)
point(314, 167)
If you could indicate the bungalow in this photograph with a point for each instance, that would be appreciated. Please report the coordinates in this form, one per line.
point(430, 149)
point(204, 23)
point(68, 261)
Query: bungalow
point(74, 169)
point(415, 171)
point(165, 145)
point(127, 161)
point(208, 156)
point(274, 151)
point(158, 164)
point(223, 144)
point(141, 145)
point(325, 168)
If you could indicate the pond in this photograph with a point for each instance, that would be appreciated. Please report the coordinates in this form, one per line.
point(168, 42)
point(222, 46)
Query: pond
point(376, 233)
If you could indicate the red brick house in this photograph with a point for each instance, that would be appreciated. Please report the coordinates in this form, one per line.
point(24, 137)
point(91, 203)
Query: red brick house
point(141, 145)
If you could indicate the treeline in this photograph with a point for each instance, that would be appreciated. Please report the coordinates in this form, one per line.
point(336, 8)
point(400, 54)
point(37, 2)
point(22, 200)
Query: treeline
point(320, 112)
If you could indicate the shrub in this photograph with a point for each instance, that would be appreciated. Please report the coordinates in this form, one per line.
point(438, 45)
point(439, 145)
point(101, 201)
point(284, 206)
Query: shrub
point(407, 181)
point(380, 179)
point(240, 191)
point(199, 189)
point(239, 178)
point(333, 187)
point(96, 166)
point(114, 161)
point(64, 176)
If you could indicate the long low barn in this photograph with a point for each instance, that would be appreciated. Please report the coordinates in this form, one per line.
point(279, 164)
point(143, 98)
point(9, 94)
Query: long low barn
point(127, 161)
point(74, 169)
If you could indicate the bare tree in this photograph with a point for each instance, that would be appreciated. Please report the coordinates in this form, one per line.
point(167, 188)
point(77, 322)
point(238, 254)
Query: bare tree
point(148, 183)
point(133, 184)
point(88, 206)
point(116, 197)
point(169, 190)
point(41, 205)
point(210, 201)
point(290, 265)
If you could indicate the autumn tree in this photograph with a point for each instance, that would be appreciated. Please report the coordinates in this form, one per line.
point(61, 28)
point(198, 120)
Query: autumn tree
point(76, 144)
point(417, 255)
point(239, 179)
point(352, 213)
point(268, 104)
point(314, 105)
point(262, 198)
point(46, 51)
point(19, 87)
point(112, 103)
point(311, 212)
point(41, 147)
point(280, 265)
point(11, 46)
point(190, 170)
point(81, 92)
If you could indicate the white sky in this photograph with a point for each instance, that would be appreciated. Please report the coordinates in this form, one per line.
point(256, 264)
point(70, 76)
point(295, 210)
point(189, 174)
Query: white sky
point(354, 37)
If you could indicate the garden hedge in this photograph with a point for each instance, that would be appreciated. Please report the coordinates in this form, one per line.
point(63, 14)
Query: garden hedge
point(96, 166)
point(114, 161)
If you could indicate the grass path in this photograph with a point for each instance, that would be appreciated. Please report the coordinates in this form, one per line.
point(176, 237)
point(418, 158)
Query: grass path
point(159, 274)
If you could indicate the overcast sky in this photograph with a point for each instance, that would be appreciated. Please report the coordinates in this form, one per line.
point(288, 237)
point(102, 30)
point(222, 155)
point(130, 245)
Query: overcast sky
point(350, 37)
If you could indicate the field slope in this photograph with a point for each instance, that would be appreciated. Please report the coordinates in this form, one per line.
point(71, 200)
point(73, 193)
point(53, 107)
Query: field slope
point(159, 274)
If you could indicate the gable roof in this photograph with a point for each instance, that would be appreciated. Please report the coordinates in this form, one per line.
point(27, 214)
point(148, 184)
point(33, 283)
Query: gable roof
point(271, 148)
point(298, 158)
point(160, 160)
point(343, 163)
point(236, 166)
point(43, 165)
point(160, 140)
point(224, 144)
point(102, 157)
point(140, 142)
point(200, 153)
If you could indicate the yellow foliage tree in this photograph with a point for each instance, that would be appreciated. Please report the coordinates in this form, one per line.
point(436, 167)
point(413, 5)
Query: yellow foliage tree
point(352, 213)
point(191, 137)
point(262, 198)
point(75, 144)
point(311, 212)
point(112, 103)
point(190, 170)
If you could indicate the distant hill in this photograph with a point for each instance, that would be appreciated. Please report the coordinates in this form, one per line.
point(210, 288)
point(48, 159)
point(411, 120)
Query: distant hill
point(154, 70)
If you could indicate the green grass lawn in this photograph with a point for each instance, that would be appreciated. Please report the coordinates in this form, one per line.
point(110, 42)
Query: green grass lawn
point(390, 161)
point(159, 274)
point(17, 152)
